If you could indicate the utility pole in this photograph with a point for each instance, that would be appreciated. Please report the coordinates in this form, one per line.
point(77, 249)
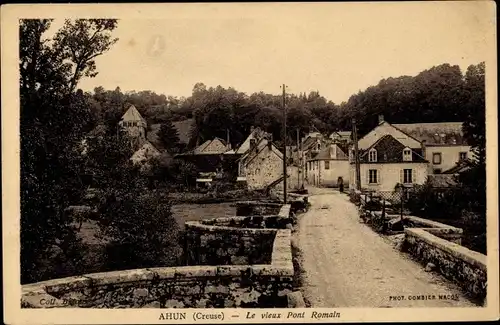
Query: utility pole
point(284, 145)
point(356, 154)
point(299, 162)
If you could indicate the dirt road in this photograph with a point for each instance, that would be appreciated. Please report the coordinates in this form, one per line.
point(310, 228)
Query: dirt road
point(348, 265)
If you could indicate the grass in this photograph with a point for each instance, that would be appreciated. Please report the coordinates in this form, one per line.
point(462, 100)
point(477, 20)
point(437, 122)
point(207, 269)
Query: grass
point(181, 212)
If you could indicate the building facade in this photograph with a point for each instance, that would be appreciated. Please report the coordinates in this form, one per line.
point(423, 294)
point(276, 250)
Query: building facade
point(134, 126)
point(261, 165)
point(444, 143)
point(328, 166)
point(388, 157)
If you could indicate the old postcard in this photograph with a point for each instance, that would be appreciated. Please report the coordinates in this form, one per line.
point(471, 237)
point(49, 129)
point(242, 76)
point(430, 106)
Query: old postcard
point(249, 163)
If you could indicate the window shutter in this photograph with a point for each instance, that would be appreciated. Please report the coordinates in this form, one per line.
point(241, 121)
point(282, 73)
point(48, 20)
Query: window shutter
point(379, 176)
point(367, 176)
point(401, 176)
point(414, 175)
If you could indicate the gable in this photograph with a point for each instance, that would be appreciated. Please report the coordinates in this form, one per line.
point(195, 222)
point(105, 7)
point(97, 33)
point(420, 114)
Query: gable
point(215, 146)
point(263, 151)
point(145, 152)
point(132, 114)
point(387, 129)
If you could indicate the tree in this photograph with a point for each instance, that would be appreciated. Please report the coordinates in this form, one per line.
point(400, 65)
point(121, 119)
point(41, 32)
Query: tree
point(169, 137)
point(53, 120)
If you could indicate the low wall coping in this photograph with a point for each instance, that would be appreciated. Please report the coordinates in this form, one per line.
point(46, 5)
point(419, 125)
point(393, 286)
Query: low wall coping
point(215, 228)
point(285, 211)
point(474, 258)
point(431, 223)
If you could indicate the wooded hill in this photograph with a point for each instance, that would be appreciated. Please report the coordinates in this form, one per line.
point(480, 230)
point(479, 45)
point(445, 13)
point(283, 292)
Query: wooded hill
point(442, 93)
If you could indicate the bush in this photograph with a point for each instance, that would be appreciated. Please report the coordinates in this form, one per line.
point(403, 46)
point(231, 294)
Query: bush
point(429, 202)
point(140, 231)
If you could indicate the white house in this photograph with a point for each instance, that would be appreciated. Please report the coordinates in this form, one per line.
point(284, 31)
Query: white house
point(327, 166)
point(388, 156)
point(443, 143)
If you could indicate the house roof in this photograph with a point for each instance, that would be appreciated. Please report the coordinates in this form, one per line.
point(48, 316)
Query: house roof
point(442, 180)
point(264, 143)
point(447, 133)
point(132, 114)
point(390, 149)
point(202, 149)
point(324, 154)
point(146, 151)
point(256, 134)
point(386, 128)
point(342, 134)
point(458, 168)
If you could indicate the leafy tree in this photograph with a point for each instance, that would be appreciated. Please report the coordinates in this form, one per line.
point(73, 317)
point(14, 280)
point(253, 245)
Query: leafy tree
point(53, 120)
point(169, 137)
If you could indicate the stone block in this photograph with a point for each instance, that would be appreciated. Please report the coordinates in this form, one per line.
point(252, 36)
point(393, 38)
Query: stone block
point(173, 303)
point(296, 300)
point(118, 277)
point(67, 284)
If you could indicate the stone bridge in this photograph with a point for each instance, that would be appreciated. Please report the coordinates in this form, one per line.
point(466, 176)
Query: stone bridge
point(241, 261)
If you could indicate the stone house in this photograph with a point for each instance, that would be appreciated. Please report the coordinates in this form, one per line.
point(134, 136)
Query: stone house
point(146, 152)
point(209, 157)
point(443, 143)
point(134, 126)
point(388, 156)
point(325, 168)
point(261, 165)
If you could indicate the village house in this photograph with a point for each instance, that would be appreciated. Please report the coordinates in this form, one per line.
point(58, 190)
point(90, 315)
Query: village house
point(145, 153)
point(444, 144)
point(329, 165)
point(209, 158)
point(261, 165)
point(134, 126)
point(388, 156)
point(341, 136)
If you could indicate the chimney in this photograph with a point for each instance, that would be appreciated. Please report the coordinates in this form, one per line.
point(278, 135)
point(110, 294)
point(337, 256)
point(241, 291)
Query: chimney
point(380, 118)
point(269, 144)
point(423, 149)
point(252, 144)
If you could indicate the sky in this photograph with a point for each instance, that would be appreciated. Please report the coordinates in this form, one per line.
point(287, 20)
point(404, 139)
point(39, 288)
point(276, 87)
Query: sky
point(337, 49)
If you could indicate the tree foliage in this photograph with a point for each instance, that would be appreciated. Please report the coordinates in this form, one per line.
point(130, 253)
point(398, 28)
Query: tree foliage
point(169, 137)
point(53, 120)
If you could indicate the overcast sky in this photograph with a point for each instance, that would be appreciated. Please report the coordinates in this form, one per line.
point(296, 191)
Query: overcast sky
point(337, 49)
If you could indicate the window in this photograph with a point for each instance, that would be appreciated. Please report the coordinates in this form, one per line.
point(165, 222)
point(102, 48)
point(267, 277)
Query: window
point(407, 176)
point(372, 176)
point(407, 154)
point(462, 156)
point(437, 171)
point(372, 155)
point(436, 158)
point(327, 164)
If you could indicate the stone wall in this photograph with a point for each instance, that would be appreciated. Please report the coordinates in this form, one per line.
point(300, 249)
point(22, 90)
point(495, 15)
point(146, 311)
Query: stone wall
point(457, 263)
point(219, 245)
point(257, 208)
point(265, 280)
point(432, 242)
point(234, 240)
